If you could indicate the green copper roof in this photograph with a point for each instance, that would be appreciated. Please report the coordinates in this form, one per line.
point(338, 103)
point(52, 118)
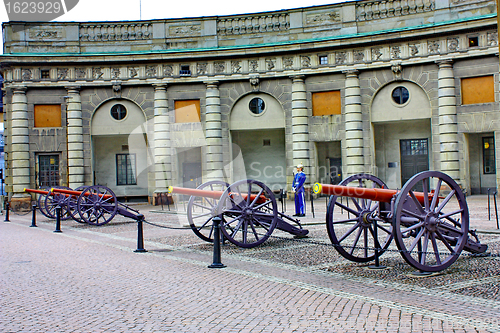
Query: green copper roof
point(236, 47)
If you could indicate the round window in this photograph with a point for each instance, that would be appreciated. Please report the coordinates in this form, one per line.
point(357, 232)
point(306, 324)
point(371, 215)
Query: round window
point(257, 105)
point(118, 112)
point(400, 95)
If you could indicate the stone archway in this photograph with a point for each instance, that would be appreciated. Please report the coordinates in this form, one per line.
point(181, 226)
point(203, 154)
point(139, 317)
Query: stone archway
point(257, 125)
point(114, 164)
point(400, 111)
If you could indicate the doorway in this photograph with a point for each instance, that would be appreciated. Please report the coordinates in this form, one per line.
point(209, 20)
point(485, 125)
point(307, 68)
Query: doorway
point(414, 158)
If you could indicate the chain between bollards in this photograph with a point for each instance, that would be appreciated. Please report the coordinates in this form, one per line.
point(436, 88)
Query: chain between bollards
point(58, 219)
point(140, 234)
point(217, 261)
point(33, 217)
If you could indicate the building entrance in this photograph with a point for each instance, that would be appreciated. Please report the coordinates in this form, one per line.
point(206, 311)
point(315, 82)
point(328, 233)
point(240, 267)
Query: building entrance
point(414, 158)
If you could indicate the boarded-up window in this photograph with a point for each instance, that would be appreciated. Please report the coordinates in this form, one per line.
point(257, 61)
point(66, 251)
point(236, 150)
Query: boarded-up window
point(48, 115)
point(326, 103)
point(476, 90)
point(187, 111)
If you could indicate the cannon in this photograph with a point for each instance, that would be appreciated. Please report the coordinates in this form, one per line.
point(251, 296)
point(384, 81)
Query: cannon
point(428, 219)
point(95, 205)
point(247, 208)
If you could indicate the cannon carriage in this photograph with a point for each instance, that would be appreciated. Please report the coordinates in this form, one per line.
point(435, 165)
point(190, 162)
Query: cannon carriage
point(428, 219)
point(94, 205)
point(248, 210)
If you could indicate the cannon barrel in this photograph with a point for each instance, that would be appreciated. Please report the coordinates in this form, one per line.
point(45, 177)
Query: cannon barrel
point(208, 194)
point(375, 194)
point(29, 190)
point(77, 193)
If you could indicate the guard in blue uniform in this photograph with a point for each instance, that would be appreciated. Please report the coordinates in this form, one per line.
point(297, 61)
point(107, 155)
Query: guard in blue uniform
point(298, 189)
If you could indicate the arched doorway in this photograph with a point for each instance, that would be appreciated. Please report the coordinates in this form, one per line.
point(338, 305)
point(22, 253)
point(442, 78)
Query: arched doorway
point(257, 125)
point(401, 119)
point(115, 164)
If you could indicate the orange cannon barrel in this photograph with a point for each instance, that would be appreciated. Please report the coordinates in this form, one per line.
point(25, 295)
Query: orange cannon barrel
point(29, 190)
point(77, 193)
point(208, 194)
point(375, 194)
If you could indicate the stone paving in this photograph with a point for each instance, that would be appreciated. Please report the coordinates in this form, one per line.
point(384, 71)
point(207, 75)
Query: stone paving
point(88, 279)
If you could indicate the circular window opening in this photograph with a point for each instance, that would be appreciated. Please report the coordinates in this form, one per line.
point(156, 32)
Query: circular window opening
point(118, 111)
point(400, 95)
point(257, 105)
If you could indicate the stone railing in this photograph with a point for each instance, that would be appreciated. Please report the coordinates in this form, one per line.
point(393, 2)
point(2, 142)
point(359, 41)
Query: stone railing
point(373, 10)
point(253, 24)
point(115, 31)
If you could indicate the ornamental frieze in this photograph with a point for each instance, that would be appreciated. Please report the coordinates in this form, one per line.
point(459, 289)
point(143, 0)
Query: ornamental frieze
point(45, 34)
point(81, 73)
point(27, 74)
point(340, 58)
point(185, 30)
point(359, 56)
point(433, 47)
point(168, 70)
point(395, 52)
point(115, 72)
point(376, 53)
point(151, 71)
point(323, 18)
point(492, 38)
point(62, 73)
point(132, 72)
point(254, 65)
point(453, 44)
point(288, 62)
point(235, 66)
point(220, 67)
point(270, 64)
point(414, 50)
point(306, 62)
point(202, 68)
point(97, 73)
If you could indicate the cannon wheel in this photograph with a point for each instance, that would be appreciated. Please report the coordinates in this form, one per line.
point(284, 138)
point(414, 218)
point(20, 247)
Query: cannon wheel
point(200, 211)
point(57, 199)
point(94, 208)
point(72, 204)
point(248, 221)
point(432, 234)
point(41, 202)
point(353, 234)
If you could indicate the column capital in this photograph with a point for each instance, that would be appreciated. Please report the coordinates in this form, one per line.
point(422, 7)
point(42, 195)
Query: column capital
point(19, 89)
point(351, 72)
point(160, 86)
point(445, 63)
point(298, 78)
point(212, 84)
point(73, 89)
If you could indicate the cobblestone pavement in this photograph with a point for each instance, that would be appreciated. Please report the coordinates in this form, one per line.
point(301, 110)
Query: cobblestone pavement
point(88, 279)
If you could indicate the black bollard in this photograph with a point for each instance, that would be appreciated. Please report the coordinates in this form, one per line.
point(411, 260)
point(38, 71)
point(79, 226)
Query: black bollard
point(496, 209)
point(7, 209)
point(489, 209)
point(58, 219)
point(216, 262)
point(140, 235)
point(312, 203)
point(377, 247)
point(33, 217)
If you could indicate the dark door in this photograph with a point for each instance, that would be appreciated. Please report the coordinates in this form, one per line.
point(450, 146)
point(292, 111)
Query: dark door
point(335, 170)
point(191, 174)
point(414, 158)
point(48, 175)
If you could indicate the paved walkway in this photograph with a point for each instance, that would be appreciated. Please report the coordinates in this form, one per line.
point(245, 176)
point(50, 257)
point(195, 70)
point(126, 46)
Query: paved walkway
point(88, 279)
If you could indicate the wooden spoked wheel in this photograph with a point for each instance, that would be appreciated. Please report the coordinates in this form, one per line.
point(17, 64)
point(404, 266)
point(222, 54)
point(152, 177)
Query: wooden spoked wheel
point(72, 203)
point(97, 205)
point(249, 213)
point(349, 221)
point(201, 211)
point(431, 221)
point(54, 200)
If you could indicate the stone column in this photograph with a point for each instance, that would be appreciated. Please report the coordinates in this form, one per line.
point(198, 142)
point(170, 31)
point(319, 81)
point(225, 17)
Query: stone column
point(20, 148)
point(213, 132)
point(300, 126)
point(76, 169)
point(162, 148)
point(353, 125)
point(448, 128)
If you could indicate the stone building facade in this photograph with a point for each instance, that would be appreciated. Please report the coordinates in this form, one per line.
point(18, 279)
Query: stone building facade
point(388, 87)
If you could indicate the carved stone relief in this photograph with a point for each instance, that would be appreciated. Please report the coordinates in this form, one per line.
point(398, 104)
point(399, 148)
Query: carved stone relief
point(235, 66)
point(492, 38)
point(453, 44)
point(81, 73)
point(202, 68)
point(97, 73)
point(151, 71)
point(413, 49)
point(359, 56)
point(116, 72)
point(132, 72)
point(306, 62)
point(27, 74)
point(270, 64)
point(323, 18)
point(255, 82)
point(62, 73)
point(220, 67)
point(185, 30)
point(376, 53)
point(340, 58)
point(168, 70)
point(254, 65)
point(45, 34)
point(288, 62)
point(395, 52)
point(433, 47)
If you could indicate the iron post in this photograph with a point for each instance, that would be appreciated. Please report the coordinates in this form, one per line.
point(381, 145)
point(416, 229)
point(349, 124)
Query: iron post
point(33, 217)
point(58, 219)
point(216, 261)
point(7, 209)
point(140, 235)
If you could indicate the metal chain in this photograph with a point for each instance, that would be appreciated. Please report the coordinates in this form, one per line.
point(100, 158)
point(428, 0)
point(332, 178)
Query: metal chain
point(166, 227)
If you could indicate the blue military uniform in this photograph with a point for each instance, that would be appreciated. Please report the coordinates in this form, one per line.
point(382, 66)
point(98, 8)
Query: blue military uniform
point(298, 188)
